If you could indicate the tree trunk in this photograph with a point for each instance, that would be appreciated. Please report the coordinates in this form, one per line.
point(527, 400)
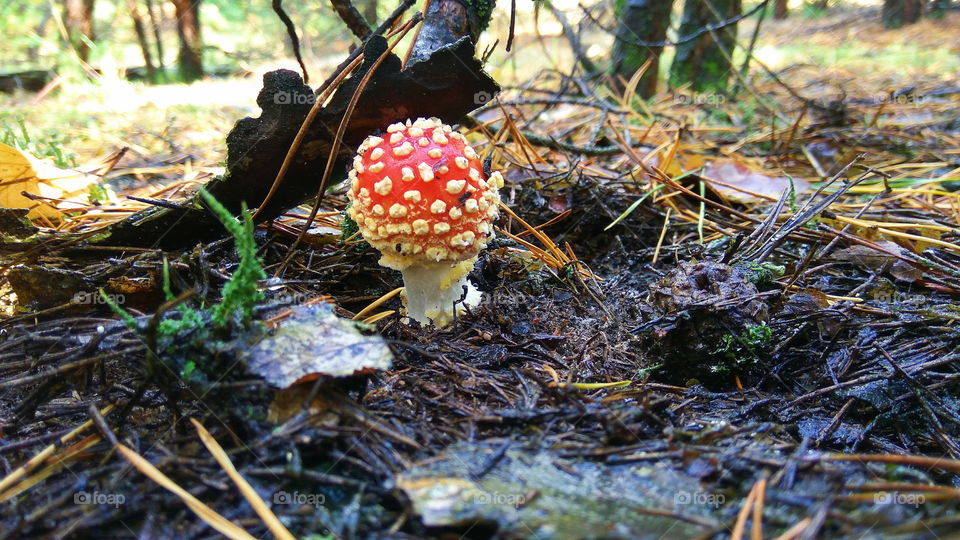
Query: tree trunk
point(780, 10)
point(700, 61)
point(78, 21)
point(370, 12)
point(155, 22)
point(897, 13)
point(190, 56)
point(142, 39)
point(640, 20)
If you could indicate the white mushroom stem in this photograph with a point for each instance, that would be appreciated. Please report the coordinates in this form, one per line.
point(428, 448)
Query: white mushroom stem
point(433, 289)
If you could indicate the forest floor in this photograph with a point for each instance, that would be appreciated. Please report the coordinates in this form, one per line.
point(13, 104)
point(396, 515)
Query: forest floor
point(674, 343)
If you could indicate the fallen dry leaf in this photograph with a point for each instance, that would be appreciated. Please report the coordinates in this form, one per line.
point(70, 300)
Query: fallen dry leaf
point(21, 172)
point(314, 342)
point(737, 182)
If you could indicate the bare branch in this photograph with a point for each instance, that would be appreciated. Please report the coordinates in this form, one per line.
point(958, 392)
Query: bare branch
point(352, 17)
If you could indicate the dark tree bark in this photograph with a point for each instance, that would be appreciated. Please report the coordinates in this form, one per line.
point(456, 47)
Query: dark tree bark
point(449, 20)
point(142, 39)
point(897, 13)
point(352, 17)
point(640, 20)
point(701, 62)
point(780, 10)
point(190, 57)
point(78, 21)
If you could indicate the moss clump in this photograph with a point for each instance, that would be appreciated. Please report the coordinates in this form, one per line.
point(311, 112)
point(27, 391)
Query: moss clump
point(240, 294)
point(482, 9)
point(761, 274)
point(189, 339)
point(740, 352)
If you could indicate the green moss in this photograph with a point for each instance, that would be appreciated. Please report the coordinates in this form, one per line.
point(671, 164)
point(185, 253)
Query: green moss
point(761, 274)
point(127, 318)
point(482, 9)
point(240, 294)
point(740, 352)
point(189, 339)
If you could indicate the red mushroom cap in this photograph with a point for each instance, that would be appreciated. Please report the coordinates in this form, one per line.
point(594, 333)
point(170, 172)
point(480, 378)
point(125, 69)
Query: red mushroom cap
point(419, 195)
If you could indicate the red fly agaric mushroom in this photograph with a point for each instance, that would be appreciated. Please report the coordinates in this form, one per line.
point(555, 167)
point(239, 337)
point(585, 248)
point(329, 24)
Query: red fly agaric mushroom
point(420, 195)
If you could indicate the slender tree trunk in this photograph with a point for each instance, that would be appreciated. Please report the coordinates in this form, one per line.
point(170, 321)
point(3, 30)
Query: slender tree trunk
point(780, 9)
point(370, 12)
point(78, 20)
point(700, 61)
point(142, 39)
point(155, 22)
point(640, 20)
point(897, 13)
point(190, 56)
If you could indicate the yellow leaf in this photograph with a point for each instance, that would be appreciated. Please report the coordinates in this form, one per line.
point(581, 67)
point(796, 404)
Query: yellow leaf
point(16, 176)
point(21, 172)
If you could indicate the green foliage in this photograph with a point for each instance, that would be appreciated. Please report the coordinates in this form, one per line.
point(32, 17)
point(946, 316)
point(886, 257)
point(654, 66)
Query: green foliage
point(740, 352)
point(761, 274)
point(196, 333)
point(127, 318)
point(49, 146)
point(483, 10)
point(97, 193)
point(240, 294)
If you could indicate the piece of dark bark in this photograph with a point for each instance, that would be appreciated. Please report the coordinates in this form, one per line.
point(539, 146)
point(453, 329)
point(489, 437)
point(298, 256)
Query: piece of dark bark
point(445, 86)
point(447, 21)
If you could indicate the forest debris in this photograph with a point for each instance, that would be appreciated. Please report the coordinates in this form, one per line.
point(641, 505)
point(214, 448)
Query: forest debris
point(249, 493)
point(737, 182)
point(537, 494)
point(314, 342)
point(204, 512)
point(709, 310)
point(14, 225)
point(877, 260)
point(46, 286)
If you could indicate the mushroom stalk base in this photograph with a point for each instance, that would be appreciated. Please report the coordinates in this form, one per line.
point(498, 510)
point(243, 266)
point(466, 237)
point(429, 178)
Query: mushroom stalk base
point(432, 290)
